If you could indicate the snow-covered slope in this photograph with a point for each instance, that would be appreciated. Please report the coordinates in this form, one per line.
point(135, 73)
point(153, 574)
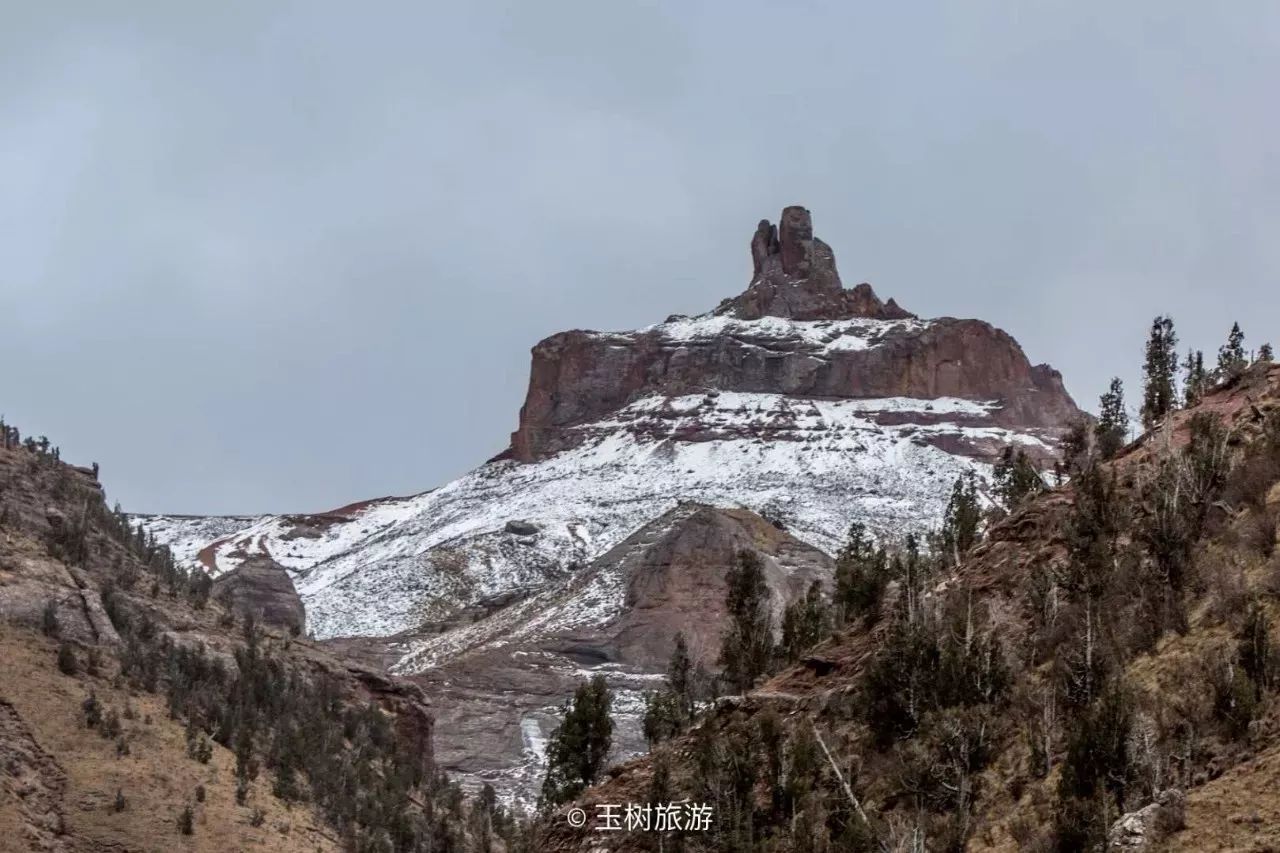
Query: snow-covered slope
point(815, 465)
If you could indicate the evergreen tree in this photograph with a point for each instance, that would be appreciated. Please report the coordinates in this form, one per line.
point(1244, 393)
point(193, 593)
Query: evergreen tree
point(962, 518)
point(186, 821)
point(1256, 655)
point(1231, 358)
point(1113, 421)
point(861, 575)
point(663, 717)
point(1265, 354)
point(1158, 396)
point(578, 747)
point(1195, 378)
point(806, 622)
point(680, 674)
point(667, 711)
point(1016, 477)
point(747, 644)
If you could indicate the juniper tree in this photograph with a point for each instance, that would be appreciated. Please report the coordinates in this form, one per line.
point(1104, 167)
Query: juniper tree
point(861, 575)
point(680, 674)
point(1016, 477)
point(663, 717)
point(186, 821)
point(1159, 392)
point(1113, 421)
point(1097, 771)
point(1254, 650)
point(962, 517)
point(1265, 354)
point(578, 747)
point(1231, 357)
point(807, 622)
point(668, 710)
point(747, 643)
point(1194, 377)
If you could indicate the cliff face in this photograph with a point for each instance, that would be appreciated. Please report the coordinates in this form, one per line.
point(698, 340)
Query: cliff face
point(795, 331)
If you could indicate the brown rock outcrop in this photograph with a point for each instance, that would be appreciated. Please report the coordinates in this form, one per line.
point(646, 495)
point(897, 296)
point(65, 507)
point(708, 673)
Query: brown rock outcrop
point(794, 276)
point(261, 586)
point(580, 376)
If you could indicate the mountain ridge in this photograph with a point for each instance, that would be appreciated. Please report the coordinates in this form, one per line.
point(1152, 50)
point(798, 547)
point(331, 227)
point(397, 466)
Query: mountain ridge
point(798, 401)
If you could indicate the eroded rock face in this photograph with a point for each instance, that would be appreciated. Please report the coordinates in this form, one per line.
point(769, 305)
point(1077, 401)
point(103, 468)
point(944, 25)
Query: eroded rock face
point(795, 277)
point(578, 377)
point(497, 689)
point(795, 331)
point(261, 586)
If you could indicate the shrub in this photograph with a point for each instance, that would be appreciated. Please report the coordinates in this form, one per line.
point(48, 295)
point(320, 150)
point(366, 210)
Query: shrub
point(49, 620)
point(67, 663)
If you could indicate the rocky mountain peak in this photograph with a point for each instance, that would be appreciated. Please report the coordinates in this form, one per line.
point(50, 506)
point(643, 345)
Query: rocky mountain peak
point(794, 276)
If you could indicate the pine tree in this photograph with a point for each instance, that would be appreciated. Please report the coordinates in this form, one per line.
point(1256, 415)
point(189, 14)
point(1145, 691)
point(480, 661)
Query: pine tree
point(1158, 396)
point(1265, 354)
point(1195, 378)
point(747, 644)
point(1231, 358)
point(578, 747)
point(1113, 421)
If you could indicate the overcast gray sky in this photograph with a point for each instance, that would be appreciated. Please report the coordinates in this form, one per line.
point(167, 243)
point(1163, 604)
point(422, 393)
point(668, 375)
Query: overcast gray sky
point(282, 256)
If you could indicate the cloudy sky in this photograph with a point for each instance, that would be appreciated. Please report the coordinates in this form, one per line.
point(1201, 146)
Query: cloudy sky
point(281, 256)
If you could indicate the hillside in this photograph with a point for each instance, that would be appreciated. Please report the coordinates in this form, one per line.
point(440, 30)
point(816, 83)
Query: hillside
point(1099, 670)
point(140, 713)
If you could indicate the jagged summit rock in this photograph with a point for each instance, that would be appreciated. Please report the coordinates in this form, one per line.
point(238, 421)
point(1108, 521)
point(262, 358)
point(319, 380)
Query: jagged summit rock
point(795, 331)
point(795, 276)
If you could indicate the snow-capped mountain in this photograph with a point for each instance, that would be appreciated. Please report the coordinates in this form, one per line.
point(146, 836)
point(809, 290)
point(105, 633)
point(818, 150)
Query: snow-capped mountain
point(798, 401)
point(814, 405)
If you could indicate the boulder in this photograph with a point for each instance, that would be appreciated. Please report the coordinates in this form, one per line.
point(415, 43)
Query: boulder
point(261, 586)
point(520, 527)
point(1145, 829)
